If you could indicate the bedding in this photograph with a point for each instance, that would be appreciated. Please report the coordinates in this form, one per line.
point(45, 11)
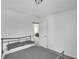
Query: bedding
point(18, 44)
point(17, 49)
point(34, 52)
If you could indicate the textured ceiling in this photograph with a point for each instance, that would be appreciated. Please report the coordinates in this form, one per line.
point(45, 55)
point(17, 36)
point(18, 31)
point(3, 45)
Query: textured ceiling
point(47, 7)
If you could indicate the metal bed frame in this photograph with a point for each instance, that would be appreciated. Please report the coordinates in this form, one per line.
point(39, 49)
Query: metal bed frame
point(6, 40)
point(17, 38)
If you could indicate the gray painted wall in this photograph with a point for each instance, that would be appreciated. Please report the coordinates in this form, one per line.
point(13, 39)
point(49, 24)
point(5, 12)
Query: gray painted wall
point(62, 32)
point(14, 24)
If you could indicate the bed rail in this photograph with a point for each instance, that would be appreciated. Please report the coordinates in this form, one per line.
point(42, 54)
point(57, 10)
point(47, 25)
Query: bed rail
point(16, 39)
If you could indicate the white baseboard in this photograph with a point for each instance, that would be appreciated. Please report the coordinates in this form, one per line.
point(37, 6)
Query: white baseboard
point(65, 53)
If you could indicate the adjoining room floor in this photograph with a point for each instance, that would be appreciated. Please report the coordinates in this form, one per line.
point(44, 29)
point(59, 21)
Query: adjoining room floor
point(67, 57)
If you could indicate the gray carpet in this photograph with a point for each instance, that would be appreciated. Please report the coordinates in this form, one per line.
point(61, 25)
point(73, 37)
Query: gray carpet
point(34, 52)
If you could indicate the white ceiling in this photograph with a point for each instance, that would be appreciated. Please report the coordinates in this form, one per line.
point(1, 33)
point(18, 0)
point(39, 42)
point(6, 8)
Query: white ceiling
point(47, 7)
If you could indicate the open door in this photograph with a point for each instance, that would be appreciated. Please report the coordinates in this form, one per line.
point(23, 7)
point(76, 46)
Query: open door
point(43, 34)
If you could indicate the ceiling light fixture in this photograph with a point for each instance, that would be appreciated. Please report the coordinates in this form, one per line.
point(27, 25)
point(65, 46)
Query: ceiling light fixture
point(38, 1)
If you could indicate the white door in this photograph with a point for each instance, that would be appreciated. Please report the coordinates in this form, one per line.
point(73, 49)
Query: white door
point(43, 34)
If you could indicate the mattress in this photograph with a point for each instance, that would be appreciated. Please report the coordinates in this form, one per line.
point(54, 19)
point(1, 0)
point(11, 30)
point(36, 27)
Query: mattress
point(34, 52)
point(18, 44)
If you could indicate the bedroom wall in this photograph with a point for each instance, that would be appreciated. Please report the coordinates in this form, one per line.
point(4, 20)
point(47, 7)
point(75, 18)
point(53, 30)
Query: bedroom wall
point(15, 24)
point(62, 32)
